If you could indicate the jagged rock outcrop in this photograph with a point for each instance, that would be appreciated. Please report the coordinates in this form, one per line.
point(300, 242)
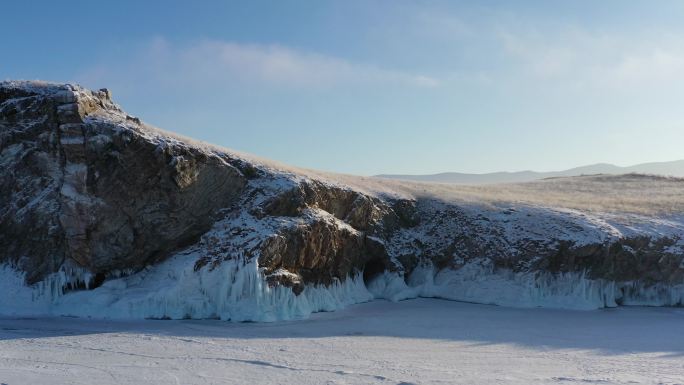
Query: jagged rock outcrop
point(89, 193)
point(82, 185)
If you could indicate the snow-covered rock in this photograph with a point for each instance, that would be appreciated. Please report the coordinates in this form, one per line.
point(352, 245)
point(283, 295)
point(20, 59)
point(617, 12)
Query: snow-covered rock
point(103, 215)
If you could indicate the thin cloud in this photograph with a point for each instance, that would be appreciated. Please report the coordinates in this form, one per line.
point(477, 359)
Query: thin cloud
point(598, 59)
point(212, 62)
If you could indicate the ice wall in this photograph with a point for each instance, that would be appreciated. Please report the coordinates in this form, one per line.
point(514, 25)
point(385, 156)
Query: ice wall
point(234, 291)
point(237, 291)
point(480, 282)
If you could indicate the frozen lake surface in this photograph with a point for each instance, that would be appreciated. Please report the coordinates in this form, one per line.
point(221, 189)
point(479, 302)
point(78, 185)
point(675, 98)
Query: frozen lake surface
point(422, 341)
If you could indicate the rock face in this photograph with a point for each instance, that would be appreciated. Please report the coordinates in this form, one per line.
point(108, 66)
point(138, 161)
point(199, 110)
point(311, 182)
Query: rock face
point(91, 193)
point(83, 186)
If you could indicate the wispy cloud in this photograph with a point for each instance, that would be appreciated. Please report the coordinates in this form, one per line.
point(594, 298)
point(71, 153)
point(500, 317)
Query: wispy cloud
point(516, 50)
point(215, 62)
point(598, 59)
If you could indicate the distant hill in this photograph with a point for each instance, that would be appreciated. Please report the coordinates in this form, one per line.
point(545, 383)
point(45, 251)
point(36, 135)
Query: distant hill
point(674, 168)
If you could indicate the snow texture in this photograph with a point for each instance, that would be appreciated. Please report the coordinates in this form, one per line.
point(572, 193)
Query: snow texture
point(415, 342)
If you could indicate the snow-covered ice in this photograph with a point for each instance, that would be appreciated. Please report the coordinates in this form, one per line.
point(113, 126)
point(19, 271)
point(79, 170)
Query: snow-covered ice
point(423, 341)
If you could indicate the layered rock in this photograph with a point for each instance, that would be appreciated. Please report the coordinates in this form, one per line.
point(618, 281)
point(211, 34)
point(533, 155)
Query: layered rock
point(84, 186)
point(89, 193)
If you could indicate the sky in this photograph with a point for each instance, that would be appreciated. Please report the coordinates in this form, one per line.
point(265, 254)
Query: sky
point(369, 87)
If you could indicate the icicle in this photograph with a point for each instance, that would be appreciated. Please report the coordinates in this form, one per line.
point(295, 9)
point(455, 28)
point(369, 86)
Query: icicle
point(238, 291)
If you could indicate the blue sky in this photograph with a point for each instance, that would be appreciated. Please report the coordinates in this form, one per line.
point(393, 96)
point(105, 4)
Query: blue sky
point(370, 87)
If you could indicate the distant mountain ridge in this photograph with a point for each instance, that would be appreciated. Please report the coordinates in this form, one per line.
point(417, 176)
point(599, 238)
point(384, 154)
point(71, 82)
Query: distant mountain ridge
point(673, 168)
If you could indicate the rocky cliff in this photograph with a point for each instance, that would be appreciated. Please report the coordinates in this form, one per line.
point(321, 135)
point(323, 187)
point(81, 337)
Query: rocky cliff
point(101, 214)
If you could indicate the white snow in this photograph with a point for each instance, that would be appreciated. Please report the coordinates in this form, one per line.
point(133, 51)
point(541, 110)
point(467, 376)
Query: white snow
point(414, 342)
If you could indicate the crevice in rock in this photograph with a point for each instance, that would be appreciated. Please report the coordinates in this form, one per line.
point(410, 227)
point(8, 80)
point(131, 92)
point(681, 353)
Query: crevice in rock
point(97, 280)
point(372, 269)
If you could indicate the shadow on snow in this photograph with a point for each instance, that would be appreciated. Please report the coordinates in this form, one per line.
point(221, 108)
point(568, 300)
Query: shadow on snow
point(609, 331)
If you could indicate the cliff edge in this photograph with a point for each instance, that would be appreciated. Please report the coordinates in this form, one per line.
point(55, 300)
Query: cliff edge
point(104, 215)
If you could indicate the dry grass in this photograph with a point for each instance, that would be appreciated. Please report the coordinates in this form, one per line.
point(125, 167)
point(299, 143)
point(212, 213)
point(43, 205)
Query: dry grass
point(629, 193)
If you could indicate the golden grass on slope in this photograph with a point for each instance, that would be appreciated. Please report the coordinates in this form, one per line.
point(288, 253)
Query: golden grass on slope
point(629, 193)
